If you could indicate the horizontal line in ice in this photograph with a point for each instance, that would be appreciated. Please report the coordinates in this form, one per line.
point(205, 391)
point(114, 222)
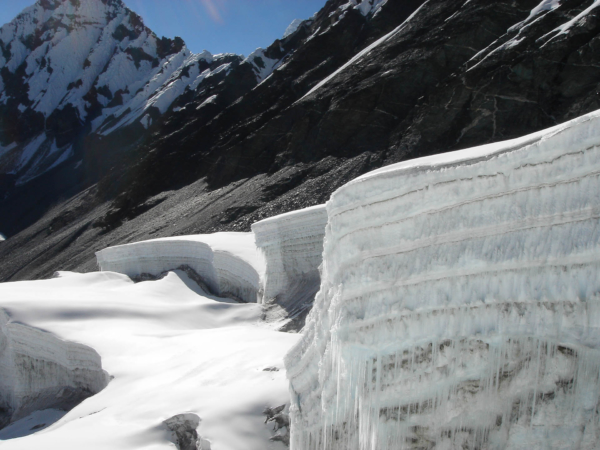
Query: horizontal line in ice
point(564, 262)
point(477, 233)
point(467, 202)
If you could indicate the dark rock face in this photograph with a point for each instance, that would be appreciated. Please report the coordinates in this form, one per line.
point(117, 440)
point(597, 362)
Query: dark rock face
point(183, 428)
point(441, 75)
point(281, 420)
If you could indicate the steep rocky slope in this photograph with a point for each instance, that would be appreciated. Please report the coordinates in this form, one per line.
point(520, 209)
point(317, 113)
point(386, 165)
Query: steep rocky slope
point(73, 73)
point(360, 85)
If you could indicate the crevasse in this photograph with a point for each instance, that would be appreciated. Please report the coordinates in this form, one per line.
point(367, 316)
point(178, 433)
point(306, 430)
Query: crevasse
point(459, 303)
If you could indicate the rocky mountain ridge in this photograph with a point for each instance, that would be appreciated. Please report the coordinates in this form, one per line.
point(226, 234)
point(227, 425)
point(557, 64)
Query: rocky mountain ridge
point(350, 92)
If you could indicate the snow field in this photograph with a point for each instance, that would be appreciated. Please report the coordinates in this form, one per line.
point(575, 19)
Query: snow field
point(172, 324)
point(173, 351)
point(459, 303)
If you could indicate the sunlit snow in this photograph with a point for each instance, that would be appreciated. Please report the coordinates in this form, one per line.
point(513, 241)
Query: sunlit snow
point(228, 263)
point(292, 27)
point(171, 349)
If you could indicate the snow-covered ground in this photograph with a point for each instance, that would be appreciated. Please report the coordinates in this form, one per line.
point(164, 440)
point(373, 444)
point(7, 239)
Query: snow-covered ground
point(171, 348)
point(459, 303)
point(459, 307)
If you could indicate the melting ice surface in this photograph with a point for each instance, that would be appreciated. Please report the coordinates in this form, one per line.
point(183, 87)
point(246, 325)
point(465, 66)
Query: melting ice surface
point(171, 348)
point(459, 303)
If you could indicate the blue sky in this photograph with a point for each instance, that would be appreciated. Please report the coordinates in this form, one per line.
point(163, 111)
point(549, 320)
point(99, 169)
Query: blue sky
point(236, 26)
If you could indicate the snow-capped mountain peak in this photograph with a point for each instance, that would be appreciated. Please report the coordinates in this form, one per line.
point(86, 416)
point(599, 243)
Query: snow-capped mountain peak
point(73, 67)
point(64, 63)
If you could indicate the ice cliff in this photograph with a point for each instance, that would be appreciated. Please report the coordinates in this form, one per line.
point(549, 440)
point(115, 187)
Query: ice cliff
point(277, 264)
point(292, 245)
point(39, 371)
point(459, 303)
point(227, 263)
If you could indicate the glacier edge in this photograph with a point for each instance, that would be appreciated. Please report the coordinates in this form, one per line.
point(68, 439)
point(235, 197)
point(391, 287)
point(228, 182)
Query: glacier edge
point(459, 303)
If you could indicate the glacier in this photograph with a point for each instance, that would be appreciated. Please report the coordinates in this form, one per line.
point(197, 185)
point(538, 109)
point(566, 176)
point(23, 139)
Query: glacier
point(292, 247)
point(227, 263)
point(39, 371)
point(457, 307)
point(459, 303)
point(292, 27)
point(277, 264)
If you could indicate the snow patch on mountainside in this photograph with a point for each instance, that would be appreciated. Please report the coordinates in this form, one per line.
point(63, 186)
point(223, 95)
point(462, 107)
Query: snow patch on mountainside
point(29, 151)
point(292, 27)
point(545, 6)
point(459, 303)
point(574, 21)
point(168, 83)
point(364, 52)
point(367, 7)
point(262, 65)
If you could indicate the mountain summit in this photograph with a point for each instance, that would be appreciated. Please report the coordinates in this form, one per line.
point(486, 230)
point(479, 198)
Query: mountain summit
point(74, 67)
point(66, 63)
